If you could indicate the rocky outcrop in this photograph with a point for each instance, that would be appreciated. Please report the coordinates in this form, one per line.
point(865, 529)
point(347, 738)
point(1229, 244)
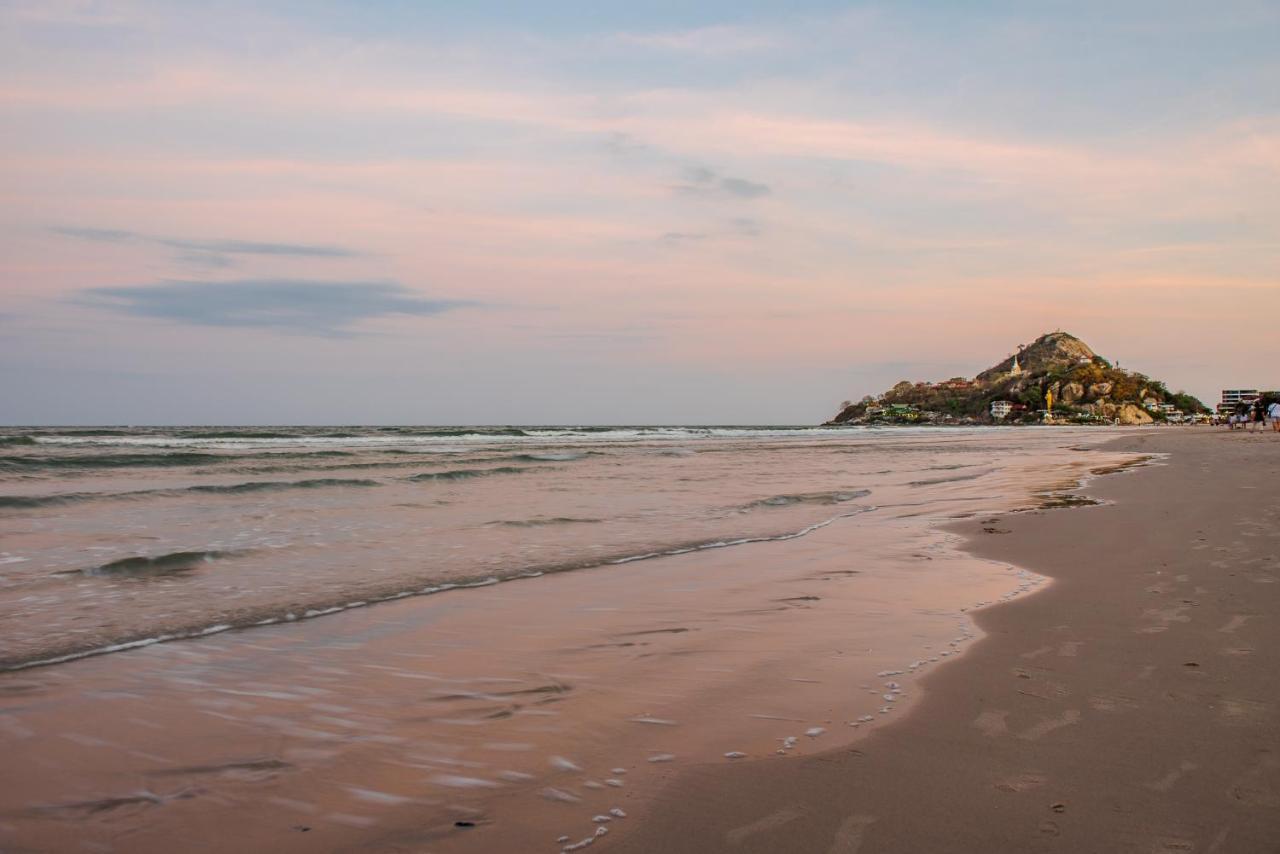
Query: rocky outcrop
point(1085, 388)
point(1055, 350)
point(1130, 414)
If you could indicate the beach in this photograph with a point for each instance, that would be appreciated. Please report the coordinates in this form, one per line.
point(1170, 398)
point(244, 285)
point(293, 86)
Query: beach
point(1130, 706)
point(854, 646)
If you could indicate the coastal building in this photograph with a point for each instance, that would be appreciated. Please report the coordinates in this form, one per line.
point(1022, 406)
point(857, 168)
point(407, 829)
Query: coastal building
point(1233, 396)
point(1001, 408)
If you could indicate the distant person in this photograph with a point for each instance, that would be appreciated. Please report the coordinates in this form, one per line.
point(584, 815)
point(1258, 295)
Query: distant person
point(1240, 416)
point(1257, 415)
point(1273, 412)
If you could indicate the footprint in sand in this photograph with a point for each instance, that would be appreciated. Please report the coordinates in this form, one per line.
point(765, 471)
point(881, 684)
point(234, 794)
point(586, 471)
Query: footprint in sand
point(1168, 781)
point(1234, 623)
point(1022, 783)
point(992, 722)
point(770, 822)
point(1069, 649)
point(848, 838)
point(1048, 725)
point(1239, 712)
point(1111, 703)
point(1260, 785)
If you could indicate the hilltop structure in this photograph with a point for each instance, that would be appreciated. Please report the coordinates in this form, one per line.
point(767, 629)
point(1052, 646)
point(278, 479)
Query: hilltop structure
point(1057, 378)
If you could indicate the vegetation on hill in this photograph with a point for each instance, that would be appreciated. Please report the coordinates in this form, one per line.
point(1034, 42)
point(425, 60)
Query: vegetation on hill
point(1085, 388)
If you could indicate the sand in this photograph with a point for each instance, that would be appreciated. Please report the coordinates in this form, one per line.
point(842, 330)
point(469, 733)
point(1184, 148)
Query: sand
point(1130, 706)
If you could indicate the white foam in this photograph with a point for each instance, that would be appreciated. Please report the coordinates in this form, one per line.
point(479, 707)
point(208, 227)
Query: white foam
point(814, 731)
point(562, 764)
point(553, 794)
point(735, 754)
point(662, 757)
point(458, 782)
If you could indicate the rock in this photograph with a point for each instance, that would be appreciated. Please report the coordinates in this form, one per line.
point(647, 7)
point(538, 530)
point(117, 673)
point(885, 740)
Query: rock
point(1130, 414)
point(1055, 350)
point(1100, 390)
point(1071, 393)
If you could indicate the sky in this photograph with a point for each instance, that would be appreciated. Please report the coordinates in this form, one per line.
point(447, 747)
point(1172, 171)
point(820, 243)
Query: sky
point(386, 211)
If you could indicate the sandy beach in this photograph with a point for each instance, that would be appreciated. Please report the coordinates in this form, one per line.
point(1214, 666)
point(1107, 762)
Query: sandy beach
point(1130, 706)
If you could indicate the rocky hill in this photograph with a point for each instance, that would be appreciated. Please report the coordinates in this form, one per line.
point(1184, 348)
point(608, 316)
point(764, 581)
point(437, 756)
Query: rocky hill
point(1057, 369)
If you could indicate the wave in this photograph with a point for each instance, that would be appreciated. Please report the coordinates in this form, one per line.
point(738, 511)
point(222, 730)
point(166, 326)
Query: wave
point(274, 485)
point(149, 567)
point(98, 461)
point(539, 522)
point(958, 478)
point(271, 617)
point(242, 434)
point(467, 474)
point(553, 456)
point(17, 440)
point(30, 502)
point(27, 502)
point(837, 497)
point(454, 431)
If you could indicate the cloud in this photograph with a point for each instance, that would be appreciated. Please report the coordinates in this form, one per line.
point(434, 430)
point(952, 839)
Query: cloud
point(675, 238)
point(208, 253)
point(705, 41)
point(701, 181)
point(297, 305)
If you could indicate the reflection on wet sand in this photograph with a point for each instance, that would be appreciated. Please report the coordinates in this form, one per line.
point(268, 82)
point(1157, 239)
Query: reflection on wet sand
point(530, 715)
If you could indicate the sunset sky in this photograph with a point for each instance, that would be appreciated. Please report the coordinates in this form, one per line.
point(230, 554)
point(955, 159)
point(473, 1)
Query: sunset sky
point(600, 212)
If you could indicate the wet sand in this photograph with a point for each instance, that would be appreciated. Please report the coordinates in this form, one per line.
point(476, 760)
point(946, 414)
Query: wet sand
point(1129, 707)
point(505, 718)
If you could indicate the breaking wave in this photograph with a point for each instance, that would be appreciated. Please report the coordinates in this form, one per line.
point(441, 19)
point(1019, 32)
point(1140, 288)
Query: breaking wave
point(467, 474)
point(838, 497)
point(166, 564)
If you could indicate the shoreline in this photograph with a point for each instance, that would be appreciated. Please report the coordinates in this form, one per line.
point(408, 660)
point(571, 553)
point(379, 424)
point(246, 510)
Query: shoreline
point(1101, 714)
point(315, 609)
point(512, 710)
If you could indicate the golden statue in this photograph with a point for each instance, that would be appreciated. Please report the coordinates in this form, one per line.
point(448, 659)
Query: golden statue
point(1048, 401)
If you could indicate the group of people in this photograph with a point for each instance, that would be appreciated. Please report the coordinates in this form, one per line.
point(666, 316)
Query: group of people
point(1255, 416)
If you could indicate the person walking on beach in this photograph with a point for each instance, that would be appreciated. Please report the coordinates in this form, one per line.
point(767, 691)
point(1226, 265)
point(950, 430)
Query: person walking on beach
point(1256, 415)
point(1273, 412)
point(1235, 420)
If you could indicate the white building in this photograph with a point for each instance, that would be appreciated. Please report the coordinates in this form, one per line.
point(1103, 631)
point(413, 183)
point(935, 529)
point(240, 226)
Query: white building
point(1232, 396)
point(1001, 408)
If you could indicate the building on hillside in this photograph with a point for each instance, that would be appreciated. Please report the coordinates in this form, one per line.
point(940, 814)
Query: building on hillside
point(1233, 396)
point(1001, 408)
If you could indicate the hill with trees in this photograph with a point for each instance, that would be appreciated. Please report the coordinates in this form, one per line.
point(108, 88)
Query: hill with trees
point(1055, 378)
